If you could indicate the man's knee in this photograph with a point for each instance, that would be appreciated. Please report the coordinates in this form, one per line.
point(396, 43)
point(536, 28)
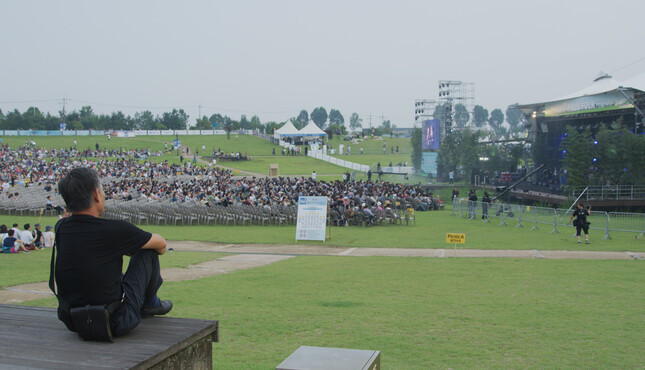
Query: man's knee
point(147, 255)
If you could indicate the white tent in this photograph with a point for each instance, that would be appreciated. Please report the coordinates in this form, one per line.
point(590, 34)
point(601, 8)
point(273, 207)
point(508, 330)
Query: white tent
point(287, 130)
point(312, 130)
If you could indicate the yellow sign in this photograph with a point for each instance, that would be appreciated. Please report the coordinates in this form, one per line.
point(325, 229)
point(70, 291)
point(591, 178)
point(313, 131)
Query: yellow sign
point(455, 238)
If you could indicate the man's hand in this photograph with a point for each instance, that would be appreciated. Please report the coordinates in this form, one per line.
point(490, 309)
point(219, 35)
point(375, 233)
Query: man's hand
point(157, 243)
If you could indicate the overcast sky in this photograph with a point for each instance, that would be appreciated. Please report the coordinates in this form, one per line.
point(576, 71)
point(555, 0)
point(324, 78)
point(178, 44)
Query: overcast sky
point(274, 58)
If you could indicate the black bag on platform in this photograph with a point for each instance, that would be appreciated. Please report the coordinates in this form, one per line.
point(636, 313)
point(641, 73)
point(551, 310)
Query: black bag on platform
point(92, 322)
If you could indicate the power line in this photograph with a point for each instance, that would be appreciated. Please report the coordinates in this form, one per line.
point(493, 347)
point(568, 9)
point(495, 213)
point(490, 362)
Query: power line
point(629, 65)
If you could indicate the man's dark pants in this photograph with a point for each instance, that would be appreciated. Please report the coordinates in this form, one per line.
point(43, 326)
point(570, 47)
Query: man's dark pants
point(140, 283)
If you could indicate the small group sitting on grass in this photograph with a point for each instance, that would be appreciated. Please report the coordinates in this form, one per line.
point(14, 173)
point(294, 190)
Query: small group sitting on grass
point(15, 241)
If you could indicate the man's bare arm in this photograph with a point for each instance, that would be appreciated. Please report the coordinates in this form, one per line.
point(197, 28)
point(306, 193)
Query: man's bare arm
point(157, 243)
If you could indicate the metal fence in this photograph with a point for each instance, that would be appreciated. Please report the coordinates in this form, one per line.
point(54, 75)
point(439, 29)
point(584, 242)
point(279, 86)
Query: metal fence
point(614, 192)
point(553, 219)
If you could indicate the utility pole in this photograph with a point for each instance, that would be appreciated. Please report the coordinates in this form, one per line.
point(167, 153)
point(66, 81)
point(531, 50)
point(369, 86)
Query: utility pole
point(63, 124)
point(200, 111)
point(370, 121)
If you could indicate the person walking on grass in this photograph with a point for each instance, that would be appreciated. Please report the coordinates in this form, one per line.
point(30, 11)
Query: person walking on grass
point(581, 223)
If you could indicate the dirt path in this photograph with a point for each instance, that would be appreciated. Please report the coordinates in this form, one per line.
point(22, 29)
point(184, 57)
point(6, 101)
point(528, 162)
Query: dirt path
point(222, 265)
point(246, 256)
point(297, 250)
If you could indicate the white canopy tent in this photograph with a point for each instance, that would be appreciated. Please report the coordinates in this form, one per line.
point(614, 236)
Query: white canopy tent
point(312, 131)
point(287, 130)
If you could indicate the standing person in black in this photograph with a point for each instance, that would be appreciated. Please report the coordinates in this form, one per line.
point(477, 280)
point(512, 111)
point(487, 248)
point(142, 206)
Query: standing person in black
point(89, 263)
point(485, 204)
point(455, 194)
point(581, 221)
point(472, 205)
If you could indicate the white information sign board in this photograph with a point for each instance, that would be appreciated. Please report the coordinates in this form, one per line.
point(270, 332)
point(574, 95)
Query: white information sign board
point(312, 218)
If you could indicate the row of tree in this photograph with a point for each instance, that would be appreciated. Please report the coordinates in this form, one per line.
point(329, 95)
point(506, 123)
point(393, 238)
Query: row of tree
point(462, 151)
point(177, 119)
point(335, 121)
point(591, 155)
point(86, 119)
point(606, 157)
point(481, 118)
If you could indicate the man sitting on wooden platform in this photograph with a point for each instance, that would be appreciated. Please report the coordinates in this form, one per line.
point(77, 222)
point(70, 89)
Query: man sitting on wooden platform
point(88, 270)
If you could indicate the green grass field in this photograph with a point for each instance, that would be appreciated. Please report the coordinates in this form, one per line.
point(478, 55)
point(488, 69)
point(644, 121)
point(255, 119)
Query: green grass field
point(425, 313)
point(243, 143)
point(428, 232)
point(287, 165)
point(419, 312)
point(374, 146)
point(33, 267)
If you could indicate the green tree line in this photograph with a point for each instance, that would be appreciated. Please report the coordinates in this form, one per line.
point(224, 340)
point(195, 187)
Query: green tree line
point(481, 118)
point(86, 119)
point(606, 157)
point(177, 119)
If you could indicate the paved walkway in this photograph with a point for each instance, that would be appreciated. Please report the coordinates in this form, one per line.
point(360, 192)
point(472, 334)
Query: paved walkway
point(296, 250)
point(246, 256)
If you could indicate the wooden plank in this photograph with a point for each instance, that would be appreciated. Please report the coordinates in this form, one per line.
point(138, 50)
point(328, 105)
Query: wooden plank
point(39, 340)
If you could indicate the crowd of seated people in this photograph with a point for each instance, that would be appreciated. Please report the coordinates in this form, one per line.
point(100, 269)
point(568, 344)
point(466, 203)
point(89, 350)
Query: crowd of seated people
point(38, 165)
point(128, 179)
point(220, 188)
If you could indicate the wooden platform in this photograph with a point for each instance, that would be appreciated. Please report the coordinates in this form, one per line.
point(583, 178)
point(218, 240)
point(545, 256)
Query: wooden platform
point(33, 337)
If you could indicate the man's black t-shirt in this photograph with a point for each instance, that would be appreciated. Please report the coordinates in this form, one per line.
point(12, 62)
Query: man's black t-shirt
point(89, 259)
point(581, 216)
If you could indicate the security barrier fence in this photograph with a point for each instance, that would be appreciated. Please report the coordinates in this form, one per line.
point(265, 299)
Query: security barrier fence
point(552, 219)
point(613, 192)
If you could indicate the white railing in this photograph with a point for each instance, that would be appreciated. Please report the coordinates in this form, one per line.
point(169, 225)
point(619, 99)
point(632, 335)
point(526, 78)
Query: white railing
point(318, 154)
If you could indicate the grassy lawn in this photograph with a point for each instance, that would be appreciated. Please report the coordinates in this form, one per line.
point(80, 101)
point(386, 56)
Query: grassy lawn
point(242, 143)
point(429, 232)
point(373, 159)
point(374, 146)
point(420, 312)
point(425, 313)
point(373, 151)
point(286, 165)
point(33, 267)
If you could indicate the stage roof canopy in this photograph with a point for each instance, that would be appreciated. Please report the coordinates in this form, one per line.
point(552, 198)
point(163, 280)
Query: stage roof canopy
point(604, 94)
